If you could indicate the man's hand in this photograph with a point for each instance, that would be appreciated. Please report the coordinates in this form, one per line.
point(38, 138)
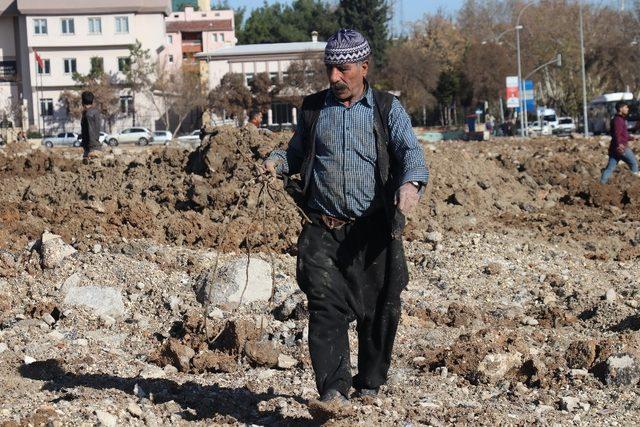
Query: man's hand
point(269, 169)
point(407, 197)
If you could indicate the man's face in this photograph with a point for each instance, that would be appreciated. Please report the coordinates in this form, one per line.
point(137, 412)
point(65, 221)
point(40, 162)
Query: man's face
point(347, 80)
point(624, 110)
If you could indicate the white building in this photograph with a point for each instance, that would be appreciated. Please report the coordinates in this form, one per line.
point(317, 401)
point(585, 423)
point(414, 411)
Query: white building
point(251, 59)
point(74, 37)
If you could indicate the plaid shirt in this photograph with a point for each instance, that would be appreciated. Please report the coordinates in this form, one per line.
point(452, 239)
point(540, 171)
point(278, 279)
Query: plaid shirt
point(344, 169)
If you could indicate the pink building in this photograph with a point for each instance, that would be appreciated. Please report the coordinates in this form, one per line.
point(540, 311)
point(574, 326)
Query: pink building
point(192, 32)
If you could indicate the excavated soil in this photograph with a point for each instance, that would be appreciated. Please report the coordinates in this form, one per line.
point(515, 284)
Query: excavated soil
point(521, 309)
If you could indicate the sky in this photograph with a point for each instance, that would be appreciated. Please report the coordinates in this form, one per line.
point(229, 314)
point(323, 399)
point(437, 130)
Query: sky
point(412, 9)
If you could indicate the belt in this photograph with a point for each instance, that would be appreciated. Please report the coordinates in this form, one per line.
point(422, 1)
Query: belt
point(334, 223)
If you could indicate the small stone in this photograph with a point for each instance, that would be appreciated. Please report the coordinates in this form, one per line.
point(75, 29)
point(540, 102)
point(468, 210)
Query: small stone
point(82, 342)
point(48, 319)
point(611, 295)
point(286, 362)
point(140, 285)
point(632, 303)
point(622, 369)
point(134, 409)
point(170, 369)
point(529, 321)
point(578, 373)
point(442, 371)
point(433, 237)
point(106, 419)
point(581, 354)
point(495, 366)
point(97, 248)
point(28, 360)
point(139, 392)
point(585, 406)
point(53, 250)
point(3, 347)
point(174, 303)
point(216, 313)
point(55, 335)
point(569, 403)
point(152, 371)
point(107, 320)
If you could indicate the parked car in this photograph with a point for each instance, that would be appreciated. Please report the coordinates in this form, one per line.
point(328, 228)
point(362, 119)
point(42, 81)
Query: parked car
point(193, 137)
point(162, 137)
point(137, 135)
point(565, 126)
point(537, 129)
point(64, 138)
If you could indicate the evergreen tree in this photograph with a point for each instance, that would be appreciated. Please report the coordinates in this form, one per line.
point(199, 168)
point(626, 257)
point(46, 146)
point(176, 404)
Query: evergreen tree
point(370, 18)
point(281, 23)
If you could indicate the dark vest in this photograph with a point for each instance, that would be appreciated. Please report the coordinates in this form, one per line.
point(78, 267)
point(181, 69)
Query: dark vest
point(387, 169)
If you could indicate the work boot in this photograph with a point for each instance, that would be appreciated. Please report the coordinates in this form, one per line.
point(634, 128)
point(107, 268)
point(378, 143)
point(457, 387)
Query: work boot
point(332, 404)
point(365, 392)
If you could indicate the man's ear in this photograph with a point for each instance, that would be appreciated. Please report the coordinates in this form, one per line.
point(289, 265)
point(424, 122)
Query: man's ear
point(365, 67)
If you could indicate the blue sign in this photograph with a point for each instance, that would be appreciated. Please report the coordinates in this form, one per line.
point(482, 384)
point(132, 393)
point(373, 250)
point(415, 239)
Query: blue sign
point(528, 97)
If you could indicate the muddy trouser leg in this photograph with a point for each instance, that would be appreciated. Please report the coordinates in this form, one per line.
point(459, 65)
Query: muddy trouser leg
point(385, 278)
point(329, 313)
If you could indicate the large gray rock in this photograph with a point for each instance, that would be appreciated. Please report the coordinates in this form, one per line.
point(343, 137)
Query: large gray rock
point(102, 300)
point(53, 250)
point(622, 369)
point(230, 280)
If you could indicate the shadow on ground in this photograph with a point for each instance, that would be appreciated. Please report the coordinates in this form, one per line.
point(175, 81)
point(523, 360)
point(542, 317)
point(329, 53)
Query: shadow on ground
point(199, 402)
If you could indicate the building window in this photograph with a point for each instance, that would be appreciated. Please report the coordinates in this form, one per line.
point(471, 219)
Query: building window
point(95, 26)
point(46, 70)
point(97, 65)
point(46, 106)
point(68, 26)
point(204, 15)
point(248, 78)
point(170, 39)
point(122, 25)
point(170, 59)
point(274, 78)
point(123, 64)
point(221, 37)
point(126, 104)
point(215, 37)
point(70, 66)
point(40, 26)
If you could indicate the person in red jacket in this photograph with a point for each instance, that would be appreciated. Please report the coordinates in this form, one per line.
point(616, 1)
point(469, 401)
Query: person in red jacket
point(619, 147)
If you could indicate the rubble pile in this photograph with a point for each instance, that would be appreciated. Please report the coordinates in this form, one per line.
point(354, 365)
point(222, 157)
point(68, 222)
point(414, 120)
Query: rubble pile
point(522, 306)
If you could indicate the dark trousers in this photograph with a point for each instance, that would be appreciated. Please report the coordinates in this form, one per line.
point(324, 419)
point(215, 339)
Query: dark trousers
point(357, 273)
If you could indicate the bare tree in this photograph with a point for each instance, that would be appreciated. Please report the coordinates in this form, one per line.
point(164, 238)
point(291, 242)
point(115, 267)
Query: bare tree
point(262, 91)
point(105, 89)
point(231, 96)
point(304, 77)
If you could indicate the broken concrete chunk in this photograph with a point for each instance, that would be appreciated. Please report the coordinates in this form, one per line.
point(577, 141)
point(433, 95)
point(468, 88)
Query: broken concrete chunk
point(53, 250)
point(622, 369)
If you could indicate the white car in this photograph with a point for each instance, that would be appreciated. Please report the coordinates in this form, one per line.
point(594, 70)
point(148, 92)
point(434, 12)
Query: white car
point(64, 138)
point(193, 137)
point(162, 137)
point(565, 126)
point(536, 129)
point(136, 135)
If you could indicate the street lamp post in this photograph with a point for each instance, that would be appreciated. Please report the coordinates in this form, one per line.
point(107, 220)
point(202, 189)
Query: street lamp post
point(584, 77)
point(520, 85)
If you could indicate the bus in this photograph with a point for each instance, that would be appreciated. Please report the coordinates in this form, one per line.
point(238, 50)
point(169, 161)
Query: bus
point(603, 108)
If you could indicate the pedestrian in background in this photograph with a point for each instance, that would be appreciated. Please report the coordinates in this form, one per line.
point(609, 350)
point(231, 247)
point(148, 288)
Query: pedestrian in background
point(90, 126)
point(619, 147)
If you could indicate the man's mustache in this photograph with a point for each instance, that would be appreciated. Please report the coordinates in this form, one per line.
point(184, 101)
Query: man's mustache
point(339, 86)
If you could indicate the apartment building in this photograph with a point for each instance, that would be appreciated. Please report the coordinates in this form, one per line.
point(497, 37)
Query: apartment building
point(10, 100)
point(74, 37)
point(195, 31)
point(251, 59)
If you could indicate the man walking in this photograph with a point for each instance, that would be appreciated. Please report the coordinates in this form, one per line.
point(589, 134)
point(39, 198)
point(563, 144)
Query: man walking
point(619, 147)
point(362, 169)
point(90, 126)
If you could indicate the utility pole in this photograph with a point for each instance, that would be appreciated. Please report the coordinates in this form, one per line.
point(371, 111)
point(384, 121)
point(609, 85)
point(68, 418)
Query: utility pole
point(520, 85)
point(584, 77)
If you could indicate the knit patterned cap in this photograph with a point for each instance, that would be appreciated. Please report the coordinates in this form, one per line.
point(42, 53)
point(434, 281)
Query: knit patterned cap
point(346, 46)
